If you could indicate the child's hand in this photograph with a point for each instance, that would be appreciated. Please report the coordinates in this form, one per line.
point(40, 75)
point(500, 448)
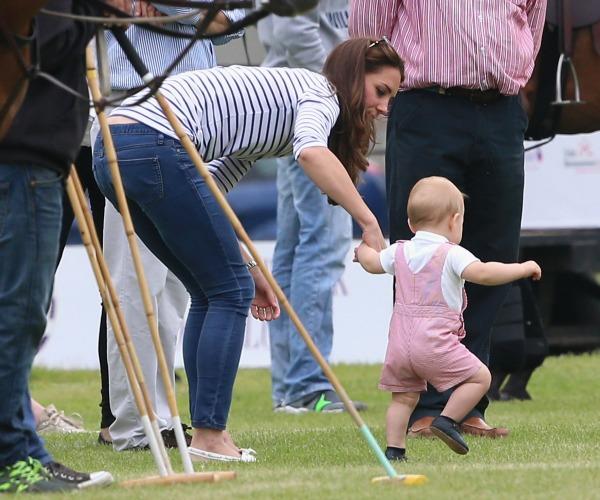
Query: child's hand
point(368, 258)
point(356, 252)
point(532, 270)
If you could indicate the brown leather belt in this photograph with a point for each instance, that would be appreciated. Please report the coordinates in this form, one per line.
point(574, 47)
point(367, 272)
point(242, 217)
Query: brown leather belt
point(473, 95)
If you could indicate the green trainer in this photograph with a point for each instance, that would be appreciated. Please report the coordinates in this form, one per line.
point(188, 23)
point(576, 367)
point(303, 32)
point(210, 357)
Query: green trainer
point(29, 476)
point(319, 402)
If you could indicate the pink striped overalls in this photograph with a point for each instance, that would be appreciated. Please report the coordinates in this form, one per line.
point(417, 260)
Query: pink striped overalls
point(424, 339)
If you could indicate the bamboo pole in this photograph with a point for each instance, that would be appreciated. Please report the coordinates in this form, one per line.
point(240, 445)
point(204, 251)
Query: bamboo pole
point(111, 305)
point(114, 313)
point(198, 477)
point(243, 235)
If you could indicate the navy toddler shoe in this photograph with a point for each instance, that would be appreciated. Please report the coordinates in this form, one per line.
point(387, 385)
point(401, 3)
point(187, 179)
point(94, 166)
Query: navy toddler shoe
point(449, 432)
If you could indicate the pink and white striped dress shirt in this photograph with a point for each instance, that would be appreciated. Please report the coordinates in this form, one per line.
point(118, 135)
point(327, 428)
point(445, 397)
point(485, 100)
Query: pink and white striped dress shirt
point(476, 44)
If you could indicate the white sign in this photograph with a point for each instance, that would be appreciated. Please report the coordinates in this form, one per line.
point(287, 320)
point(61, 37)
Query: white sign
point(562, 183)
point(362, 306)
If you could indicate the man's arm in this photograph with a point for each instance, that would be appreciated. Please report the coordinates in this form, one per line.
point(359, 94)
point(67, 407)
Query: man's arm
point(220, 23)
point(67, 35)
point(372, 18)
point(300, 38)
point(173, 11)
point(536, 17)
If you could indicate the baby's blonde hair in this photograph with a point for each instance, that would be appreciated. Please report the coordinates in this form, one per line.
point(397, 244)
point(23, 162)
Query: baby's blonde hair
point(431, 200)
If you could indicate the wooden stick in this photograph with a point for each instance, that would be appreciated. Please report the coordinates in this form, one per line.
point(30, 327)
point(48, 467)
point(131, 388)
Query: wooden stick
point(111, 305)
point(128, 344)
point(241, 232)
point(126, 348)
point(197, 477)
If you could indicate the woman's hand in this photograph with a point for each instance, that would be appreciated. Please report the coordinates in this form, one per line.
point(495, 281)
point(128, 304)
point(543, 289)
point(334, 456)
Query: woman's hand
point(373, 237)
point(265, 306)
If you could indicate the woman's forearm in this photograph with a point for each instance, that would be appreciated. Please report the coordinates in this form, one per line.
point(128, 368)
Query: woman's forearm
point(326, 171)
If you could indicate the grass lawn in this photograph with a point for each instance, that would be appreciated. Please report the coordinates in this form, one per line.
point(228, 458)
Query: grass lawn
point(553, 450)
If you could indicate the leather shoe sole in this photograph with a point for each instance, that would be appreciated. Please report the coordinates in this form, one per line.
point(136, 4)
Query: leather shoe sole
point(476, 426)
point(473, 426)
point(421, 428)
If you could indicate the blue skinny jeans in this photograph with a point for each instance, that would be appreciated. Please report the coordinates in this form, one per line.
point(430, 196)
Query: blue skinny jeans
point(177, 217)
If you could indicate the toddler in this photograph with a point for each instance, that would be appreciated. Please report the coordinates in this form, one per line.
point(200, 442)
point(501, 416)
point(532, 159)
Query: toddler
point(427, 323)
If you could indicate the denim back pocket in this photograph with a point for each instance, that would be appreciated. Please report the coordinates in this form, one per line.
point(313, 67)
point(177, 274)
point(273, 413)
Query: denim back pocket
point(142, 179)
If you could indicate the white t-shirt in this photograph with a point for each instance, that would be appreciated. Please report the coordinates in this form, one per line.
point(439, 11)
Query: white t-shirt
point(419, 250)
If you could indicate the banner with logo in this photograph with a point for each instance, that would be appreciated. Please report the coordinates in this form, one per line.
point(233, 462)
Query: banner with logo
point(562, 184)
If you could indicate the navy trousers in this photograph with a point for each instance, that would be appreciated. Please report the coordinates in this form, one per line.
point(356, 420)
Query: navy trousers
point(479, 147)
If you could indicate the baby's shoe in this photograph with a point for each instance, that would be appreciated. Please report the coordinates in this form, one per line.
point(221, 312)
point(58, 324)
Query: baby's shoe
point(449, 432)
point(395, 454)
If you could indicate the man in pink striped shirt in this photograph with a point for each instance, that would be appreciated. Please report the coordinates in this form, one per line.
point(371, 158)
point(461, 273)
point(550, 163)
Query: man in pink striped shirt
point(459, 116)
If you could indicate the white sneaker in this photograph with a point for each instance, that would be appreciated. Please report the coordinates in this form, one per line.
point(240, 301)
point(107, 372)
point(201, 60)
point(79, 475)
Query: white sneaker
point(198, 455)
point(56, 421)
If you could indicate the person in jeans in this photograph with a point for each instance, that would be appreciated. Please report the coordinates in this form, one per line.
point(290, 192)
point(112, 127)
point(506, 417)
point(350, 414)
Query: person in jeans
point(235, 116)
point(35, 157)
point(313, 237)
point(170, 299)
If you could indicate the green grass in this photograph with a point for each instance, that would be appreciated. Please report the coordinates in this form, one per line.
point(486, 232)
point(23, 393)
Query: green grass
point(553, 450)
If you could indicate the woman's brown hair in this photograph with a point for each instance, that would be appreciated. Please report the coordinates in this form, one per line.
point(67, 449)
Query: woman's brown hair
point(345, 68)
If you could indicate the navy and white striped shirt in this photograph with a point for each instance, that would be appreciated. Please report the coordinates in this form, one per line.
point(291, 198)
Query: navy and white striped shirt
point(238, 114)
point(158, 51)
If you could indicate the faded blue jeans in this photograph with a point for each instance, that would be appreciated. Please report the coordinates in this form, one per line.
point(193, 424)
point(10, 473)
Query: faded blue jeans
point(177, 217)
point(313, 239)
point(30, 222)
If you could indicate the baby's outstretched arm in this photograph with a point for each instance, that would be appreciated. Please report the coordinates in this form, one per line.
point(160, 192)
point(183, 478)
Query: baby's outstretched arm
point(497, 273)
point(368, 259)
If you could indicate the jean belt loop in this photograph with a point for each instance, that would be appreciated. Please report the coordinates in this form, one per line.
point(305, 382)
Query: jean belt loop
point(160, 139)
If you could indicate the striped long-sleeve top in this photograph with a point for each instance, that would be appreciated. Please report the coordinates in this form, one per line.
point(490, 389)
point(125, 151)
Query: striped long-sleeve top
point(478, 44)
point(238, 114)
point(158, 50)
